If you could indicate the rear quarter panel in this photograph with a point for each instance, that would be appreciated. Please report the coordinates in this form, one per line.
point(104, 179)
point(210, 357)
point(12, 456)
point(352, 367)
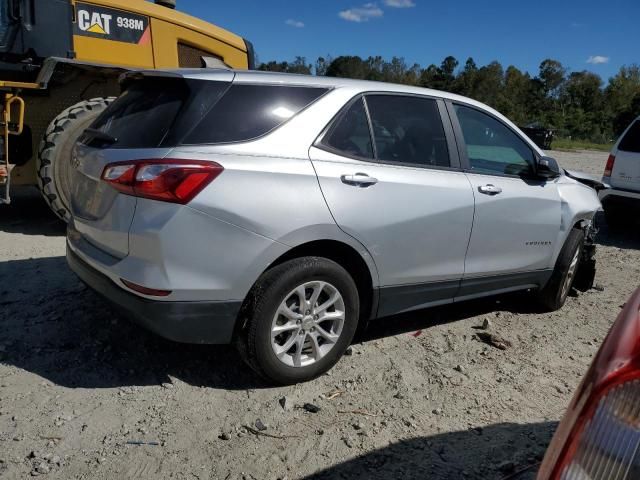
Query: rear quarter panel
point(273, 197)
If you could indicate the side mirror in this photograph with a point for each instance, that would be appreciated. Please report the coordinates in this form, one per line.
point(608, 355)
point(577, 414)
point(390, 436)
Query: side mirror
point(548, 168)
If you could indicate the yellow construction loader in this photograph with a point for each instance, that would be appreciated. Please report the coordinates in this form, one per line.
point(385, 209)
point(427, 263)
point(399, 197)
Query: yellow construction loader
point(60, 61)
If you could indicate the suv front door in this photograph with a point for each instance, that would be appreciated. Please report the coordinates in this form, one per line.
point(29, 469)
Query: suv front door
point(389, 172)
point(517, 216)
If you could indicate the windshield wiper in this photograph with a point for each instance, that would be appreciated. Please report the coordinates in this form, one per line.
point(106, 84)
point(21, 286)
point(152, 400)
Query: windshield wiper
point(101, 136)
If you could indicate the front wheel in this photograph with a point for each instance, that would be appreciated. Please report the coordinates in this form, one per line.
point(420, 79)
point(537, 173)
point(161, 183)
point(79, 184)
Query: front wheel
point(300, 318)
point(554, 294)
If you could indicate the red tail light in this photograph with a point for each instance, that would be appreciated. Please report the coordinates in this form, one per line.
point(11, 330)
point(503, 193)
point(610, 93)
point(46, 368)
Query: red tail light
point(608, 169)
point(168, 180)
point(599, 437)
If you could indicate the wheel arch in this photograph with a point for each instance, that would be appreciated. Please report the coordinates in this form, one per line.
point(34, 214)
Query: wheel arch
point(363, 272)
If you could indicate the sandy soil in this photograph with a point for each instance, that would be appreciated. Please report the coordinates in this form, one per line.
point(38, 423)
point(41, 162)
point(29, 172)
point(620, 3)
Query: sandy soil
point(419, 397)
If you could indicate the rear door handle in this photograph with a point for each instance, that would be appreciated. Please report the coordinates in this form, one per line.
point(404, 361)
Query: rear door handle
point(489, 189)
point(359, 180)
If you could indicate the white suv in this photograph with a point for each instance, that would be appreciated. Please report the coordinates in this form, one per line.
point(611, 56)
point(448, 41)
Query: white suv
point(282, 212)
point(622, 174)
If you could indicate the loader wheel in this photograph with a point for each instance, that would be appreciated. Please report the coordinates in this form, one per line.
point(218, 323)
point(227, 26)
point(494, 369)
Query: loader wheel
point(54, 154)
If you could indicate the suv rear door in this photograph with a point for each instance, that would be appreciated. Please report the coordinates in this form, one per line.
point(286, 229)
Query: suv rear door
point(388, 168)
point(517, 216)
point(145, 122)
point(626, 168)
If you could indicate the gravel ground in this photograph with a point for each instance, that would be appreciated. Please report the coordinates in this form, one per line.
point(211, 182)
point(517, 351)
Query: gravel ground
point(419, 397)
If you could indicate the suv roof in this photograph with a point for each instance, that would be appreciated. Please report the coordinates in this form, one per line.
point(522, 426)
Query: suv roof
point(254, 76)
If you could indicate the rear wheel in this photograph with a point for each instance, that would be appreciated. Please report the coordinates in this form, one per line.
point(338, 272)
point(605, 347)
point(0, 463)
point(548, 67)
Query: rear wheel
point(300, 319)
point(554, 294)
point(54, 155)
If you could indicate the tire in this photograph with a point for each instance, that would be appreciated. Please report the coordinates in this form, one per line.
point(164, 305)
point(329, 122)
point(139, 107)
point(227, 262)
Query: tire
point(554, 294)
point(54, 155)
point(262, 313)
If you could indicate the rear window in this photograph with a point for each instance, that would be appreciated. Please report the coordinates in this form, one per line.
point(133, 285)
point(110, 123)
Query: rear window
point(631, 141)
point(250, 111)
point(154, 112)
point(166, 112)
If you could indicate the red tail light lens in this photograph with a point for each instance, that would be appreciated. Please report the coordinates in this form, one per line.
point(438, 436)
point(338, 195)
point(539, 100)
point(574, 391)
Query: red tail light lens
point(167, 180)
point(599, 437)
point(608, 169)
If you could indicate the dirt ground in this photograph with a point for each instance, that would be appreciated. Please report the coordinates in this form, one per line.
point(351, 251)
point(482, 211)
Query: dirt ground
point(419, 397)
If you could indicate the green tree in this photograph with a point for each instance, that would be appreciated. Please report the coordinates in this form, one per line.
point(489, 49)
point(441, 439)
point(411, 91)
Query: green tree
point(622, 97)
point(348, 67)
point(299, 65)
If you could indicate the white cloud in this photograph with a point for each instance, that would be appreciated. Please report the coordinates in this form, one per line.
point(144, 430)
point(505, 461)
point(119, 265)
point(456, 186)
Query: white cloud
point(295, 23)
point(597, 59)
point(400, 3)
point(362, 14)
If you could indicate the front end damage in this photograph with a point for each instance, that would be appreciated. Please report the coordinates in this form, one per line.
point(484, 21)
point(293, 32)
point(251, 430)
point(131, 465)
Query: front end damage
point(586, 274)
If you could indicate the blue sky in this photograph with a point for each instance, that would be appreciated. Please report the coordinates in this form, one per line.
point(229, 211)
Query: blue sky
point(599, 36)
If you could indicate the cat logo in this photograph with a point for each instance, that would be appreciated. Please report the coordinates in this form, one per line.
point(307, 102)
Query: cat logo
point(99, 23)
point(111, 24)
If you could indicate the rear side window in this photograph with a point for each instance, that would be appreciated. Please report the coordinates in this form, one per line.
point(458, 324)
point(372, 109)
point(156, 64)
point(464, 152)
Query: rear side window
point(408, 129)
point(631, 140)
point(350, 133)
point(246, 112)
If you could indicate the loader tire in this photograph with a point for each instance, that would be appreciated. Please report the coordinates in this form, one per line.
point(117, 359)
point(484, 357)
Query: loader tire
point(54, 155)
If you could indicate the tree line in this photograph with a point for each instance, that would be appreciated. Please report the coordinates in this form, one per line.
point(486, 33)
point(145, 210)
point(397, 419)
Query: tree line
point(576, 105)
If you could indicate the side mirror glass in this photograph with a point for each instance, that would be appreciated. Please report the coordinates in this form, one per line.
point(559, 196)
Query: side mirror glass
point(548, 167)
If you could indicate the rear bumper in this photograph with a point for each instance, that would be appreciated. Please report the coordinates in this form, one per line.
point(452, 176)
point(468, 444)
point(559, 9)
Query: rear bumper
point(626, 197)
point(185, 322)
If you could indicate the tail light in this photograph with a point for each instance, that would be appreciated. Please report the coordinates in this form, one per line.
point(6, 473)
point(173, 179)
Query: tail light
point(599, 437)
point(167, 180)
point(608, 169)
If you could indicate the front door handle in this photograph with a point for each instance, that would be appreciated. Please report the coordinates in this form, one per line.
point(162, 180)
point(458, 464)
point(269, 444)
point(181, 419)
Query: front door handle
point(359, 180)
point(489, 189)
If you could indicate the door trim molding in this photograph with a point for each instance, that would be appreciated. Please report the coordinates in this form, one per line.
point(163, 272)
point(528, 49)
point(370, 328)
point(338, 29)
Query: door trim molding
point(405, 298)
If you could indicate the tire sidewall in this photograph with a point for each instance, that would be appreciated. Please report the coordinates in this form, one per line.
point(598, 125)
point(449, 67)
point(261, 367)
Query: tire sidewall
point(311, 269)
point(574, 244)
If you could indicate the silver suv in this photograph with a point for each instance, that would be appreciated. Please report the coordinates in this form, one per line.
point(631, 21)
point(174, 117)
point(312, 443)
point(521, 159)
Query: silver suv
point(283, 212)
point(622, 175)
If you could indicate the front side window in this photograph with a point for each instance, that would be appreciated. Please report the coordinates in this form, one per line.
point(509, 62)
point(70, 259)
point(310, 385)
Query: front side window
point(350, 134)
point(408, 129)
point(246, 112)
point(492, 147)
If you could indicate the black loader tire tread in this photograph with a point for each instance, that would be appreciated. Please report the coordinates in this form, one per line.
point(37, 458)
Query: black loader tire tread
point(49, 149)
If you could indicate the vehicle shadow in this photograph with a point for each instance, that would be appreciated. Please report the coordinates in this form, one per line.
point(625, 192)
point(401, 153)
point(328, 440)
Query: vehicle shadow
point(624, 239)
point(505, 450)
point(518, 302)
point(29, 214)
point(54, 326)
